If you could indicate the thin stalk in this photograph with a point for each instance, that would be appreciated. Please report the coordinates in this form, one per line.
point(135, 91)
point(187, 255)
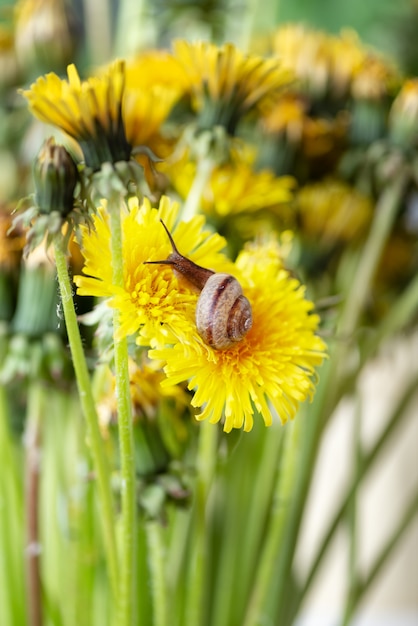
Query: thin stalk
point(313, 428)
point(32, 471)
point(263, 485)
point(97, 22)
point(380, 561)
point(385, 214)
point(134, 28)
point(392, 425)
point(352, 521)
point(89, 410)
point(401, 313)
point(12, 587)
point(275, 533)
point(206, 461)
point(127, 581)
point(156, 558)
point(192, 204)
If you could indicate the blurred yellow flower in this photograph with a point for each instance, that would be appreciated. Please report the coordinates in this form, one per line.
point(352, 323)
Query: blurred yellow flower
point(332, 211)
point(316, 136)
point(226, 84)
point(236, 188)
point(156, 67)
point(152, 302)
point(338, 65)
point(270, 370)
point(305, 52)
point(147, 393)
point(154, 82)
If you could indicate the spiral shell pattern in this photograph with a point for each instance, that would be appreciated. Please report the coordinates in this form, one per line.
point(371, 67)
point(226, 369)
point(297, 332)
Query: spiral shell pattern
point(223, 313)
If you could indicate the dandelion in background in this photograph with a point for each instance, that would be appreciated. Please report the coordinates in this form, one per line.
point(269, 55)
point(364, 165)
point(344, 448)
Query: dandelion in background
point(225, 84)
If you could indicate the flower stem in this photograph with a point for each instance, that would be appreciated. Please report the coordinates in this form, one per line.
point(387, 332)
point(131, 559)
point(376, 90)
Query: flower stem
point(90, 414)
point(156, 556)
point(32, 443)
point(271, 546)
point(203, 172)
point(385, 214)
point(199, 539)
point(127, 583)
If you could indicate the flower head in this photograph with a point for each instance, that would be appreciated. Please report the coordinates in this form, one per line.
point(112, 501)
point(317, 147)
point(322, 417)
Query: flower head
point(237, 188)
point(225, 84)
point(268, 371)
point(90, 112)
point(152, 302)
point(331, 211)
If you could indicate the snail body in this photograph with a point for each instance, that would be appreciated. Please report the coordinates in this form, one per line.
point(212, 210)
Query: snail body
point(223, 313)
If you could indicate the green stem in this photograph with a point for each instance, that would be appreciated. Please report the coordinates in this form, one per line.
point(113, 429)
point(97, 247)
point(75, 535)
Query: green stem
point(352, 521)
point(98, 20)
point(274, 539)
point(381, 560)
point(206, 461)
point(400, 315)
point(385, 214)
point(393, 423)
point(156, 557)
point(192, 204)
point(90, 414)
point(127, 582)
point(32, 471)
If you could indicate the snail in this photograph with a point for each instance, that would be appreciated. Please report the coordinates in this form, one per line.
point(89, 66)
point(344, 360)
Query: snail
point(223, 313)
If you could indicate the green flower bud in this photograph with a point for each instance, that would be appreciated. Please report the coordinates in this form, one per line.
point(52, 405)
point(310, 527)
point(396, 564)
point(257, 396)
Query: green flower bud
point(56, 176)
point(403, 118)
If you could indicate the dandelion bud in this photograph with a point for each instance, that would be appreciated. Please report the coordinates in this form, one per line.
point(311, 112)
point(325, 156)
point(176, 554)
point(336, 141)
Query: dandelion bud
point(46, 35)
point(403, 117)
point(55, 176)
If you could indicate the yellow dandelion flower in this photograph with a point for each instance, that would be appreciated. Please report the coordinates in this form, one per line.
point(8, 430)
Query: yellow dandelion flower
point(317, 136)
point(90, 111)
point(339, 64)
point(146, 392)
point(236, 188)
point(305, 52)
point(271, 369)
point(152, 302)
point(226, 84)
point(156, 67)
point(144, 113)
point(154, 82)
point(332, 211)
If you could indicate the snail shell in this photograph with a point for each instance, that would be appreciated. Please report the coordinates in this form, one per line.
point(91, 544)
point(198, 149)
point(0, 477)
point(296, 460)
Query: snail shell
point(223, 313)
